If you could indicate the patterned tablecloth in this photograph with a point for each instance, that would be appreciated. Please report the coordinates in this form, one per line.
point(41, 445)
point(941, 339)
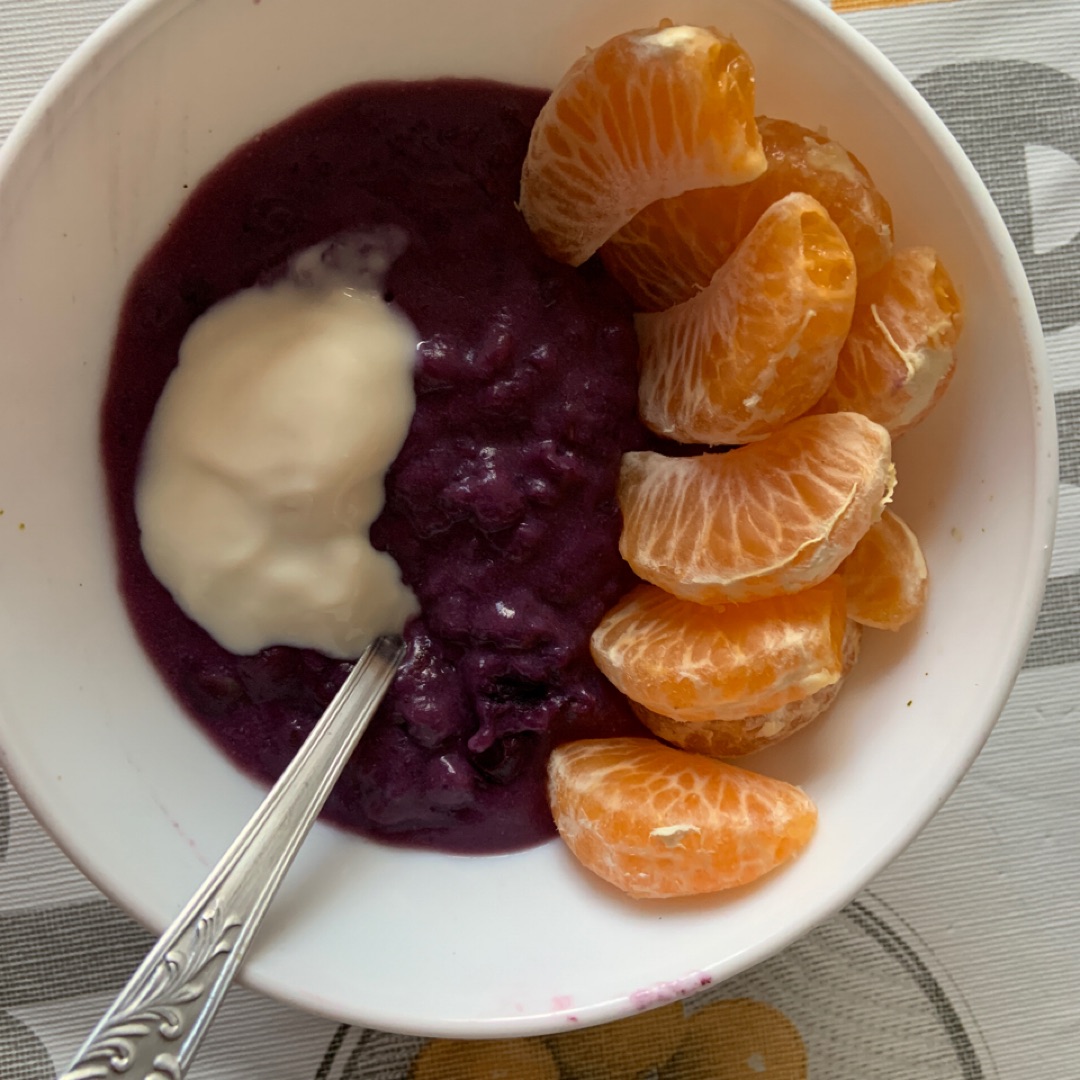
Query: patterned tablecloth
point(962, 961)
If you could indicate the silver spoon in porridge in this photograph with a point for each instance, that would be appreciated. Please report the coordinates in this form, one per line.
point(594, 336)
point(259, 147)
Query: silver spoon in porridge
point(154, 1027)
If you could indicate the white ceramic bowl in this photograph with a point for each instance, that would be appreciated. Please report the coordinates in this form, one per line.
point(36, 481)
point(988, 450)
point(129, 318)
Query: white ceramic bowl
point(415, 941)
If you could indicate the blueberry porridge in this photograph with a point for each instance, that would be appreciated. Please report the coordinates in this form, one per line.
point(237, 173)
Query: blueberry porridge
point(500, 507)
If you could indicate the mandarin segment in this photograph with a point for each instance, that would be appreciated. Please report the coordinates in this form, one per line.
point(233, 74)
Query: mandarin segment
point(670, 251)
point(697, 663)
point(658, 822)
point(772, 517)
point(758, 347)
point(625, 1050)
point(736, 738)
point(886, 575)
point(647, 115)
point(901, 353)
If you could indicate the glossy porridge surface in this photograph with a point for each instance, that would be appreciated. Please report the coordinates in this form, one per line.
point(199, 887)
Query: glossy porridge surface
point(501, 505)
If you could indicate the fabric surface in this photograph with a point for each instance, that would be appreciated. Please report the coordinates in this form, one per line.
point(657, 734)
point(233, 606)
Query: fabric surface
point(962, 961)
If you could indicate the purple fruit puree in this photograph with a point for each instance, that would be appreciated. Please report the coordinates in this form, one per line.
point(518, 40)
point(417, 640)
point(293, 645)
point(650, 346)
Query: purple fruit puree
point(500, 508)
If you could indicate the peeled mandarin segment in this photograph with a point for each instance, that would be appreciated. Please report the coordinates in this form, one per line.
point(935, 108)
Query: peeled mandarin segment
point(759, 346)
point(900, 355)
point(670, 251)
point(649, 114)
point(625, 1050)
point(658, 822)
point(773, 517)
point(735, 738)
point(886, 575)
point(522, 1059)
point(803, 160)
point(695, 663)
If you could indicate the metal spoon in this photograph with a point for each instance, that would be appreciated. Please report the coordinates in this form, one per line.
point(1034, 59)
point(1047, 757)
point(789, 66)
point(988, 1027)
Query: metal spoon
point(153, 1028)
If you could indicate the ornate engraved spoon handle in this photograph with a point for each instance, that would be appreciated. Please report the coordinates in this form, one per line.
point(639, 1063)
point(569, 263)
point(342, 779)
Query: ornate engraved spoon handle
point(155, 1025)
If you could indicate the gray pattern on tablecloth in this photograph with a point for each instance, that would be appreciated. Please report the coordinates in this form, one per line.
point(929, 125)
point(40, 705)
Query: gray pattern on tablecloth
point(5, 816)
point(36, 37)
point(997, 109)
point(67, 953)
point(22, 1055)
point(1057, 639)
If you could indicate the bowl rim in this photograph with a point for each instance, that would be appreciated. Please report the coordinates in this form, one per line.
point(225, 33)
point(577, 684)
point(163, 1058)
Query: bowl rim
point(123, 31)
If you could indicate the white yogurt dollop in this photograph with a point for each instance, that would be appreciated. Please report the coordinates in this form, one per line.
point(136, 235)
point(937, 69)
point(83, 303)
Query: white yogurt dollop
point(263, 469)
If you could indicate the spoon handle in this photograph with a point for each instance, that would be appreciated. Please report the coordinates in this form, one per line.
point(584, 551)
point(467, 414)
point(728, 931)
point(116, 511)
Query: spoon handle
point(153, 1028)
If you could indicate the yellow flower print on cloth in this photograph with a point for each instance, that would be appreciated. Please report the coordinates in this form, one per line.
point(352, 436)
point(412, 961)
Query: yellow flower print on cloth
point(865, 5)
point(727, 1040)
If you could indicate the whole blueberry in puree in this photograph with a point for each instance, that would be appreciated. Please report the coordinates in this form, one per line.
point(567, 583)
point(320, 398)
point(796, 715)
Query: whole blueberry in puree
point(500, 508)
